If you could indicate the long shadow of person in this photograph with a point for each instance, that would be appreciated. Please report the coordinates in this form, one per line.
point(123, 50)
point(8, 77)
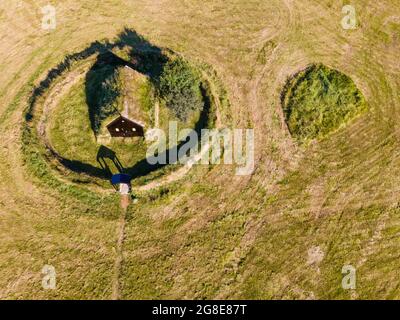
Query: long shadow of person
point(105, 154)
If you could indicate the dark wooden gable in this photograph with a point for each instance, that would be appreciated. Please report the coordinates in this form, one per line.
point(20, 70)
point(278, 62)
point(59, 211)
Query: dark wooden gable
point(124, 127)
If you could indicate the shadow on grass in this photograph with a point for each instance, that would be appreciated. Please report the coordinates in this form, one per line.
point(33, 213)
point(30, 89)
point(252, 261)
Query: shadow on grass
point(141, 168)
point(102, 83)
point(105, 154)
point(145, 58)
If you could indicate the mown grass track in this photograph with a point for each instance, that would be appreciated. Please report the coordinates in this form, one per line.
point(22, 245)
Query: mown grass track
point(214, 234)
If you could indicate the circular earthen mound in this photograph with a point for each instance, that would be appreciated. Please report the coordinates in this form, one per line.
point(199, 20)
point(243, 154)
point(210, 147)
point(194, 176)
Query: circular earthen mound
point(318, 100)
point(72, 107)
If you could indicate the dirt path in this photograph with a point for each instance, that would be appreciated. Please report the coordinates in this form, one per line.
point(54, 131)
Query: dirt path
point(116, 293)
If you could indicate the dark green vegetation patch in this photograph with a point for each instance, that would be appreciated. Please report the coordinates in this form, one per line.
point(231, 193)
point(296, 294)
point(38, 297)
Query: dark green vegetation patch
point(180, 88)
point(318, 100)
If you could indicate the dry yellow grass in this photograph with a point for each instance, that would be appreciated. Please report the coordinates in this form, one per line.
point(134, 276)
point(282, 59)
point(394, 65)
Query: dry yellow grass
point(214, 235)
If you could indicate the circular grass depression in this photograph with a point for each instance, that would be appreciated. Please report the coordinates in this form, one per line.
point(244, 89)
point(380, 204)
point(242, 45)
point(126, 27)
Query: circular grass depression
point(319, 100)
point(131, 75)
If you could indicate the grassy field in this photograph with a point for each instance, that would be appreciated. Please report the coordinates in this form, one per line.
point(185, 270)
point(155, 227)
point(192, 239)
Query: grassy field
point(210, 234)
point(320, 100)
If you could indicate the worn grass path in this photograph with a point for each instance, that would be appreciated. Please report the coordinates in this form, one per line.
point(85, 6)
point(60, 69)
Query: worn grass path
point(116, 294)
point(216, 235)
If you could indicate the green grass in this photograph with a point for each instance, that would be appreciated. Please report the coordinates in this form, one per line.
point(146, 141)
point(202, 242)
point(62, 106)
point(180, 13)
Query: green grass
point(213, 235)
point(72, 136)
point(179, 86)
point(103, 94)
point(319, 100)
